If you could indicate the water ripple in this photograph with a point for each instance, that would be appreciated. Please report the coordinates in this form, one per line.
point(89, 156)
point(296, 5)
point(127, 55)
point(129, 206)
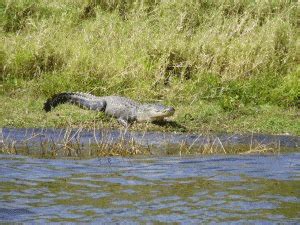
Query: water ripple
point(192, 190)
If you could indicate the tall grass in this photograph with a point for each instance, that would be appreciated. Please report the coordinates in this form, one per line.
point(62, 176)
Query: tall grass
point(232, 52)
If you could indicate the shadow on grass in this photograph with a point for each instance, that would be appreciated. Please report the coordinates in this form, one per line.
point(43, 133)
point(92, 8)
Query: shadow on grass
point(171, 124)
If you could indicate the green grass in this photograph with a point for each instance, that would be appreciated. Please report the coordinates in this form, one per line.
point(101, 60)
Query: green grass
point(226, 66)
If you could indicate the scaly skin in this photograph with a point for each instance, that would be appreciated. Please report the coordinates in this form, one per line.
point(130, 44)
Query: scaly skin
point(124, 109)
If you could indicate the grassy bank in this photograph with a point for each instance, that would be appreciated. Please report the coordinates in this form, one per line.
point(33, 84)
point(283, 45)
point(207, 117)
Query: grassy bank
point(224, 65)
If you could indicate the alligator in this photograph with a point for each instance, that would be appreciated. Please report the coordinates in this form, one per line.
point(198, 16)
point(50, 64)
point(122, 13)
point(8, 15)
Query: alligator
point(125, 110)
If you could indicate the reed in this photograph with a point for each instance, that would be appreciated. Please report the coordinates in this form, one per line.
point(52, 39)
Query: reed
point(69, 144)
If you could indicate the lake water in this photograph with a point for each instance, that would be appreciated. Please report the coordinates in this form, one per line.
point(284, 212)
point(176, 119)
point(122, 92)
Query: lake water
point(247, 189)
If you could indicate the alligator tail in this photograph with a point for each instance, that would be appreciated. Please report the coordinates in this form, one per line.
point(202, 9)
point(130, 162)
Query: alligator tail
point(57, 99)
point(80, 99)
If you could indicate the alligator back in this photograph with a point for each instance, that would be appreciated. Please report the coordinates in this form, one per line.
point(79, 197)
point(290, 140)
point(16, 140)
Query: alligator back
point(121, 107)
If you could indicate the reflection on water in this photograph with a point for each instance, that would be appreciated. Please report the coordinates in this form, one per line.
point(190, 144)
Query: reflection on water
point(250, 189)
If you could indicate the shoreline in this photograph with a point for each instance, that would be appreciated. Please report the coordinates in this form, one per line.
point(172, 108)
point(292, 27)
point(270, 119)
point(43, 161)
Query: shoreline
point(83, 142)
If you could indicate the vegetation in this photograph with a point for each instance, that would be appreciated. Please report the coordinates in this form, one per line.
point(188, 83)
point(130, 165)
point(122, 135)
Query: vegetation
point(225, 65)
point(79, 143)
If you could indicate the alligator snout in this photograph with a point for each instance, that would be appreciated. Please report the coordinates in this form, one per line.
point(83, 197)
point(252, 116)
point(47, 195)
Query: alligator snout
point(170, 110)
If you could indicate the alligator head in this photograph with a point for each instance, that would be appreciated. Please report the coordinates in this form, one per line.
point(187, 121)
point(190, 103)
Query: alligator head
point(154, 112)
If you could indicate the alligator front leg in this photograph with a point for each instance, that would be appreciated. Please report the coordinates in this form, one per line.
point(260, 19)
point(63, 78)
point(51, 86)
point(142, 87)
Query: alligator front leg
point(123, 122)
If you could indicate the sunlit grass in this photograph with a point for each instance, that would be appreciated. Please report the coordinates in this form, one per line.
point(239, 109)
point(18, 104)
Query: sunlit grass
point(221, 64)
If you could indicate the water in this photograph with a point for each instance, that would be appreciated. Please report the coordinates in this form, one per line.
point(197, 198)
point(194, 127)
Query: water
point(189, 190)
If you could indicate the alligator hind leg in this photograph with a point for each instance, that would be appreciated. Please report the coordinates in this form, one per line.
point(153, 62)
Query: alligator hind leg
point(97, 106)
